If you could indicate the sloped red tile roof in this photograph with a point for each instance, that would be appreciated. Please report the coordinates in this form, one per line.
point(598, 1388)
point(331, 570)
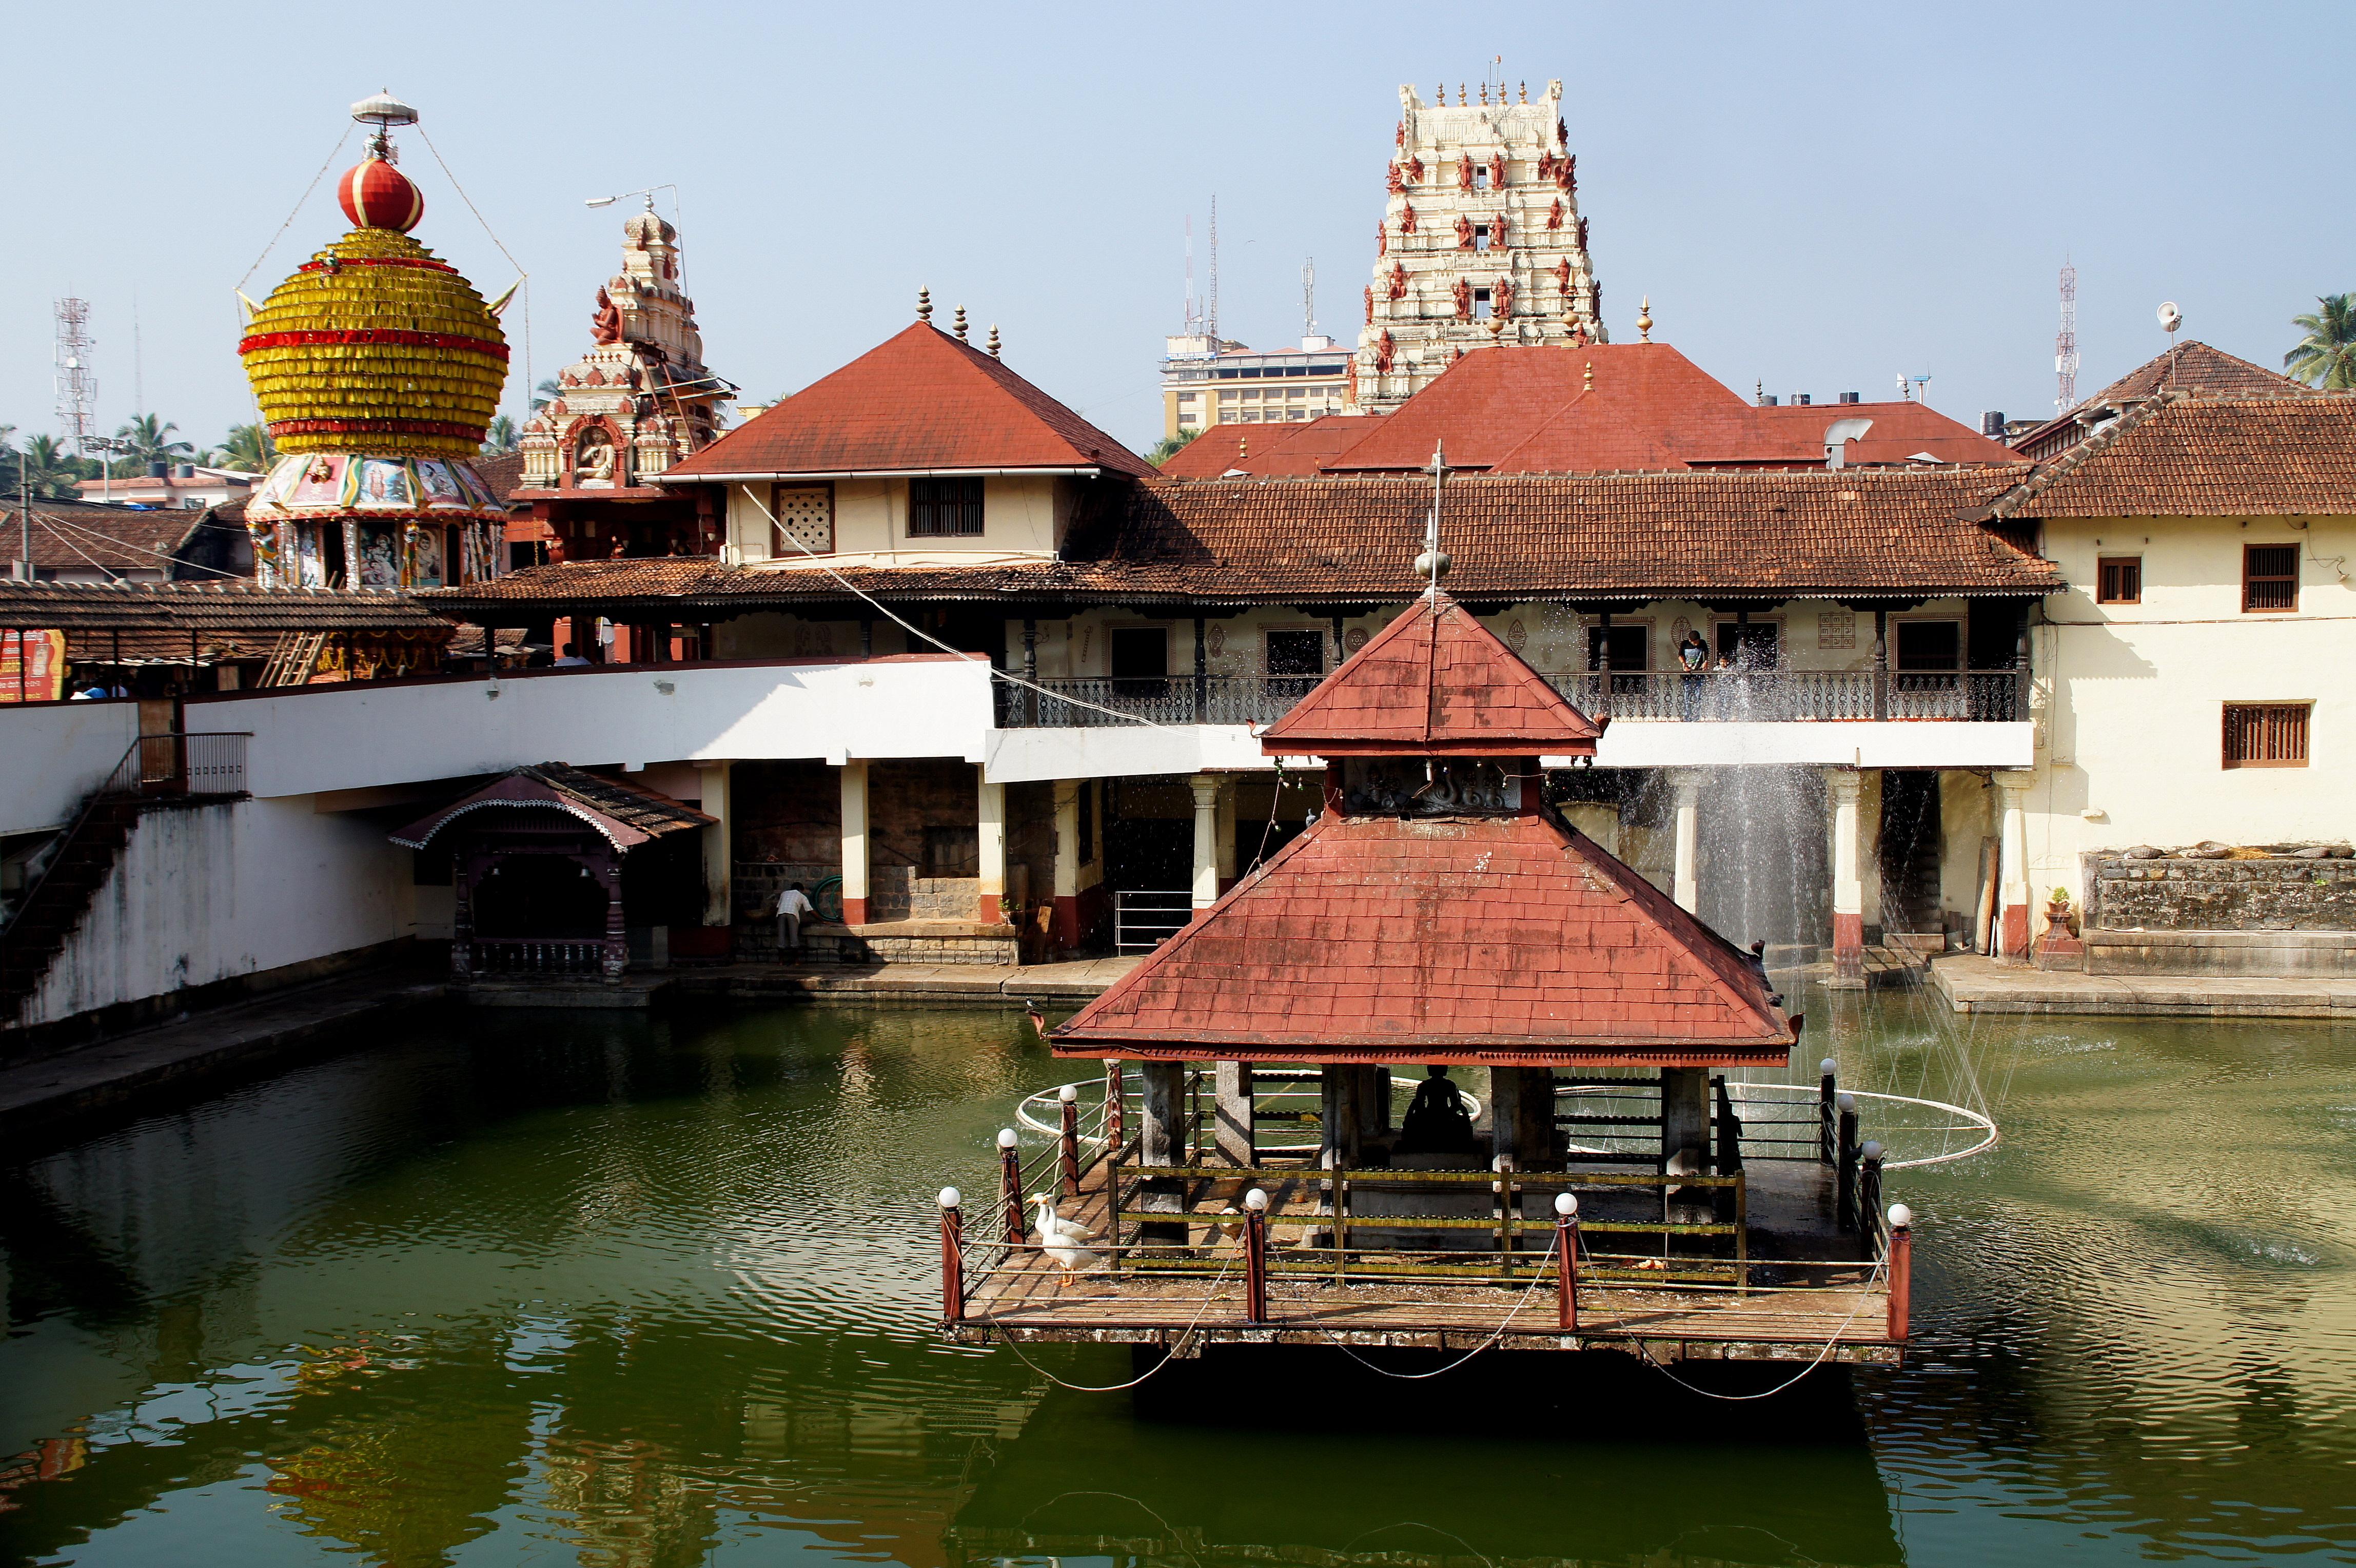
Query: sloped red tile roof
point(1433, 682)
point(1268, 450)
point(75, 536)
point(2194, 366)
point(1508, 940)
point(918, 401)
point(2191, 455)
point(1811, 534)
point(1901, 431)
point(503, 474)
point(627, 814)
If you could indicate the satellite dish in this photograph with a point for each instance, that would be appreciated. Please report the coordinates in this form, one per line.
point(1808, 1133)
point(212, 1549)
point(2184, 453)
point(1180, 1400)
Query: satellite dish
point(2170, 318)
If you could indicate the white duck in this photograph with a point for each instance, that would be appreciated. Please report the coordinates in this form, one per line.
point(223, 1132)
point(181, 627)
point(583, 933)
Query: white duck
point(1061, 1240)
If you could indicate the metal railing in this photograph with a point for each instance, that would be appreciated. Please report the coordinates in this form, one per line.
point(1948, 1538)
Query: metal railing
point(1760, 695)
point(181, 763)
point(1144, 920)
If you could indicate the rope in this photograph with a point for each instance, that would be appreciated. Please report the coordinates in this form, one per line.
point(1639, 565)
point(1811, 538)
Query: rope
point(298, 209)
point(1113, 1388)
point(494, 239)
point(1537, 1278)
point(875, 604)
point(1879, 1265)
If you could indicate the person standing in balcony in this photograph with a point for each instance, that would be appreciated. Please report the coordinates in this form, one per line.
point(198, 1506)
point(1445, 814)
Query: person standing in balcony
point(791, 905)
point(1693, 658)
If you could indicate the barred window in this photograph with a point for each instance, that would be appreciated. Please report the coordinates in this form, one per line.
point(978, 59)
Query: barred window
point(2270, 577)
point(2266, 734)
point(941, 509)
point(2121, 580)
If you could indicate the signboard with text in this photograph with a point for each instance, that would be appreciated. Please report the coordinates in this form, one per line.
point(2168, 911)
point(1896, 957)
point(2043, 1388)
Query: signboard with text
point(32, 666)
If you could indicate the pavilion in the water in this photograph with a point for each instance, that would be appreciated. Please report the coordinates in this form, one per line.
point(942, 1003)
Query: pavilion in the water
point(1606, 1173)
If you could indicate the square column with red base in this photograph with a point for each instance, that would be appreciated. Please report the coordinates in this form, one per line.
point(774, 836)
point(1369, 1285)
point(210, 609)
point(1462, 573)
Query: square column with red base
point(854, 842)
point(989, 822)
point(1842, 788)
point(2012, 877)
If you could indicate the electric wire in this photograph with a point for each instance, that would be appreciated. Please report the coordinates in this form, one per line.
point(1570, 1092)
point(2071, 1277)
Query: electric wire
point(486, 223)
point(1112, 1388)
point(297, 210)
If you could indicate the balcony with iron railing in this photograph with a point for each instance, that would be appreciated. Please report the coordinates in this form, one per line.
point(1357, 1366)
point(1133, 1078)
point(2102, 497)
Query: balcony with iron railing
point(1775, 696)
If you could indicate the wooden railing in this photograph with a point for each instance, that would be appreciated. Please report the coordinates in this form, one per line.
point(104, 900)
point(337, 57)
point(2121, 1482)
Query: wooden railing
point(537, 955)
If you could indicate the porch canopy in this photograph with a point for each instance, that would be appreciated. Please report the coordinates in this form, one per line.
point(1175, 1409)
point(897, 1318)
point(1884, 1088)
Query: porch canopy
point(1439, 910)
point(625, 815)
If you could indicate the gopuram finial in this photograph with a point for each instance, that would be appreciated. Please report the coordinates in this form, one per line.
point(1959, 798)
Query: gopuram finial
point(925, 306)
point(1526, 92)
point(960, 323)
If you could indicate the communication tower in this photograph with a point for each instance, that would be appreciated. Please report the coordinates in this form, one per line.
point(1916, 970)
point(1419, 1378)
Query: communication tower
point(77, 382)
point(1308, 298)
point(2065, 343)
point(1211, 308)
point(1193, 317)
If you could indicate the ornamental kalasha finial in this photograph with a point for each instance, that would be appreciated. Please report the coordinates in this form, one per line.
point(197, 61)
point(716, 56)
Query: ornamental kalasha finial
point(924, 304)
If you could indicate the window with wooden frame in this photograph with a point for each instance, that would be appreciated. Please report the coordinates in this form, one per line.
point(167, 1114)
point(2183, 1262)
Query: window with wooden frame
point(805, 515)
point(2118, 580)
point(2266, 734)
point(944, 509)
point(2269, 579)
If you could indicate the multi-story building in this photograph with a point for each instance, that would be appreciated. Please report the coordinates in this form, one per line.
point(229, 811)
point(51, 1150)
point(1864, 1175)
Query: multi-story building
point(1208, 380)
point(1480, 243)
point(180, 485)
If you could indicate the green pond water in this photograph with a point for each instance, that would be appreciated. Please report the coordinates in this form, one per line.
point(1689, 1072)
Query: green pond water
point(569, 1288)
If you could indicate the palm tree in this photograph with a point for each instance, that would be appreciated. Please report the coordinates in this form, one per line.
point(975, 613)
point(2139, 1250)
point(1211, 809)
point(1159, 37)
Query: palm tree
point(1169, 446)
point(500, 438)
point(548, 391)
point(49, 468)
point(2326, 356)
point(249, 449)
point(151, 442)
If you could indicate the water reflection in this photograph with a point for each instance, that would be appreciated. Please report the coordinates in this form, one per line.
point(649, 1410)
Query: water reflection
point(655, 1292)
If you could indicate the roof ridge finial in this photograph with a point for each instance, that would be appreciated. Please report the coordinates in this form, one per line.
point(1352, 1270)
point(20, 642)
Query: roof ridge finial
point(1644, 320)
point(925, 306)
point(960, 323)
point(993, 340)
point(1433, 562)
point(1590, 376)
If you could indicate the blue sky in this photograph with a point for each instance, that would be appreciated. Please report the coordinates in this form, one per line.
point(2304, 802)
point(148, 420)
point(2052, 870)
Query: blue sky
point(1819, 197)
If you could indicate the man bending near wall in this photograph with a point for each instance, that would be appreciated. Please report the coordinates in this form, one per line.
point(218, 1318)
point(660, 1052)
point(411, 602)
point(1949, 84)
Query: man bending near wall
point(792, 905)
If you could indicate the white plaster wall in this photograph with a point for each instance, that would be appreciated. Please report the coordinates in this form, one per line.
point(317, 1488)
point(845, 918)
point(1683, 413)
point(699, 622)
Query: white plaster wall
point(1120, 751)
point(206, 893)
point(52, 754)
point(349, 738)
point(1021, 514)
point(1663, 743)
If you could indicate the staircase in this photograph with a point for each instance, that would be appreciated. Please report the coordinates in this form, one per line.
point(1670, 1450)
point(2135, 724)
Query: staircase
point(292, 661)
point(158, 772)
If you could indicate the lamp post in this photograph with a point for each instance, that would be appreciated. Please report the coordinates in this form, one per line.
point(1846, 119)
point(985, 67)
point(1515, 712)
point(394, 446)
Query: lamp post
point(104, 446)
point(649, 192)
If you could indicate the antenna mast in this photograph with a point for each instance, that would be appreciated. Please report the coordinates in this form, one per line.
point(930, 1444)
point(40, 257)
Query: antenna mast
point(1211, 314)
point(2065, 343)
point(1192, 322)
point(1308, 298)
point(77, 382)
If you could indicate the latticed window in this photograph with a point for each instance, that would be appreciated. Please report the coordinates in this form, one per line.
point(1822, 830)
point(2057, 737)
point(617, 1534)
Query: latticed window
point(2121, 580)
point(806, 518)
point(2270, 577)
point(2266, 734)
point(941, 509)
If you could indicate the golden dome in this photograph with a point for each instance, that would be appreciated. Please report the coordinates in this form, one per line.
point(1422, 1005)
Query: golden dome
point(375, 345)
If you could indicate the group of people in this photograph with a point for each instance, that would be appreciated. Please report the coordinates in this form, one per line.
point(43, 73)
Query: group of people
point(1693, 657)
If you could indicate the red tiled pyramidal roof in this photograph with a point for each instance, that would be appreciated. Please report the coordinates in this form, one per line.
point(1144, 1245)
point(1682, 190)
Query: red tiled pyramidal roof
point(918, 401)
point(1506, 941)
point(1269, 451)
point(1433, 682)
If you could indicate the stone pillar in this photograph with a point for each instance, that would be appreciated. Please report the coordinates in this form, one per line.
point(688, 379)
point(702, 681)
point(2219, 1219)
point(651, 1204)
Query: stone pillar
point(1687, 783)
point(2013, 876)
point(854, 842)
point(1505, 1114)
point(1235, 1132)
point(1338, 1103)
point(719, 862)
point(1684, 1117)
point(1161, 1141)
point(1842, 786)
point(1374, 1100)
point(1521, 1113)
point(1206, 842)
point(1223, 835)
point(1068, 863)
point(991, 824)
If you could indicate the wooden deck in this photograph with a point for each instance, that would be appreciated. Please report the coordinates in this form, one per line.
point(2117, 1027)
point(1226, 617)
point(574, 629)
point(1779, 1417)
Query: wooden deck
point(1793, 1297)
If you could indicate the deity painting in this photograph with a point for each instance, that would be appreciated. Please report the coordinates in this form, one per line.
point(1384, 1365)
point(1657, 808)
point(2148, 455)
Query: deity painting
point(440, 484)
point(379, 557)
point(479, 494)
point(426, 557)
point(384, 483)
point(310, 565)
point(281, 481)
point(317, 480)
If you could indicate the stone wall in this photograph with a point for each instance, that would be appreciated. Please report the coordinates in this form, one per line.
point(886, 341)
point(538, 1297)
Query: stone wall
point(2275, 917)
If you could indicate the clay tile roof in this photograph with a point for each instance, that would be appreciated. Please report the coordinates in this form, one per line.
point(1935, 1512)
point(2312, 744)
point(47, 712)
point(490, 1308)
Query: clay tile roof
point(503, 474)
point(627, 814)
point(1269, 450)
point(2194, 366)
point(1509, 941)
point(919, 400)
point(236, 607)
point(1435, 681)
point(2185, 455)
point(70, 536)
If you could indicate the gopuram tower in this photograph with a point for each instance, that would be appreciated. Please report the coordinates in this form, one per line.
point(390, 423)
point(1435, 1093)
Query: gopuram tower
point(378, 368)
point(1481, 241)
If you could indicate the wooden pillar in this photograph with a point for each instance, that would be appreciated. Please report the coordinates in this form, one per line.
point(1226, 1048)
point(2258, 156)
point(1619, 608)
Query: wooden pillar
point(1235, 1132)
point(1506, 1114)
point(719, 851)
point(1881, 664)
point(1030, 669)
point(1521, 1113)
point(1161, 1141)
point(1338, 1104)
point(2012, 879)
point(991, 819)
point(854, 842)
point(464, 869)
point(1688, 884)
point(618, 940)
point(1202, 671)
point(1842, 786)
